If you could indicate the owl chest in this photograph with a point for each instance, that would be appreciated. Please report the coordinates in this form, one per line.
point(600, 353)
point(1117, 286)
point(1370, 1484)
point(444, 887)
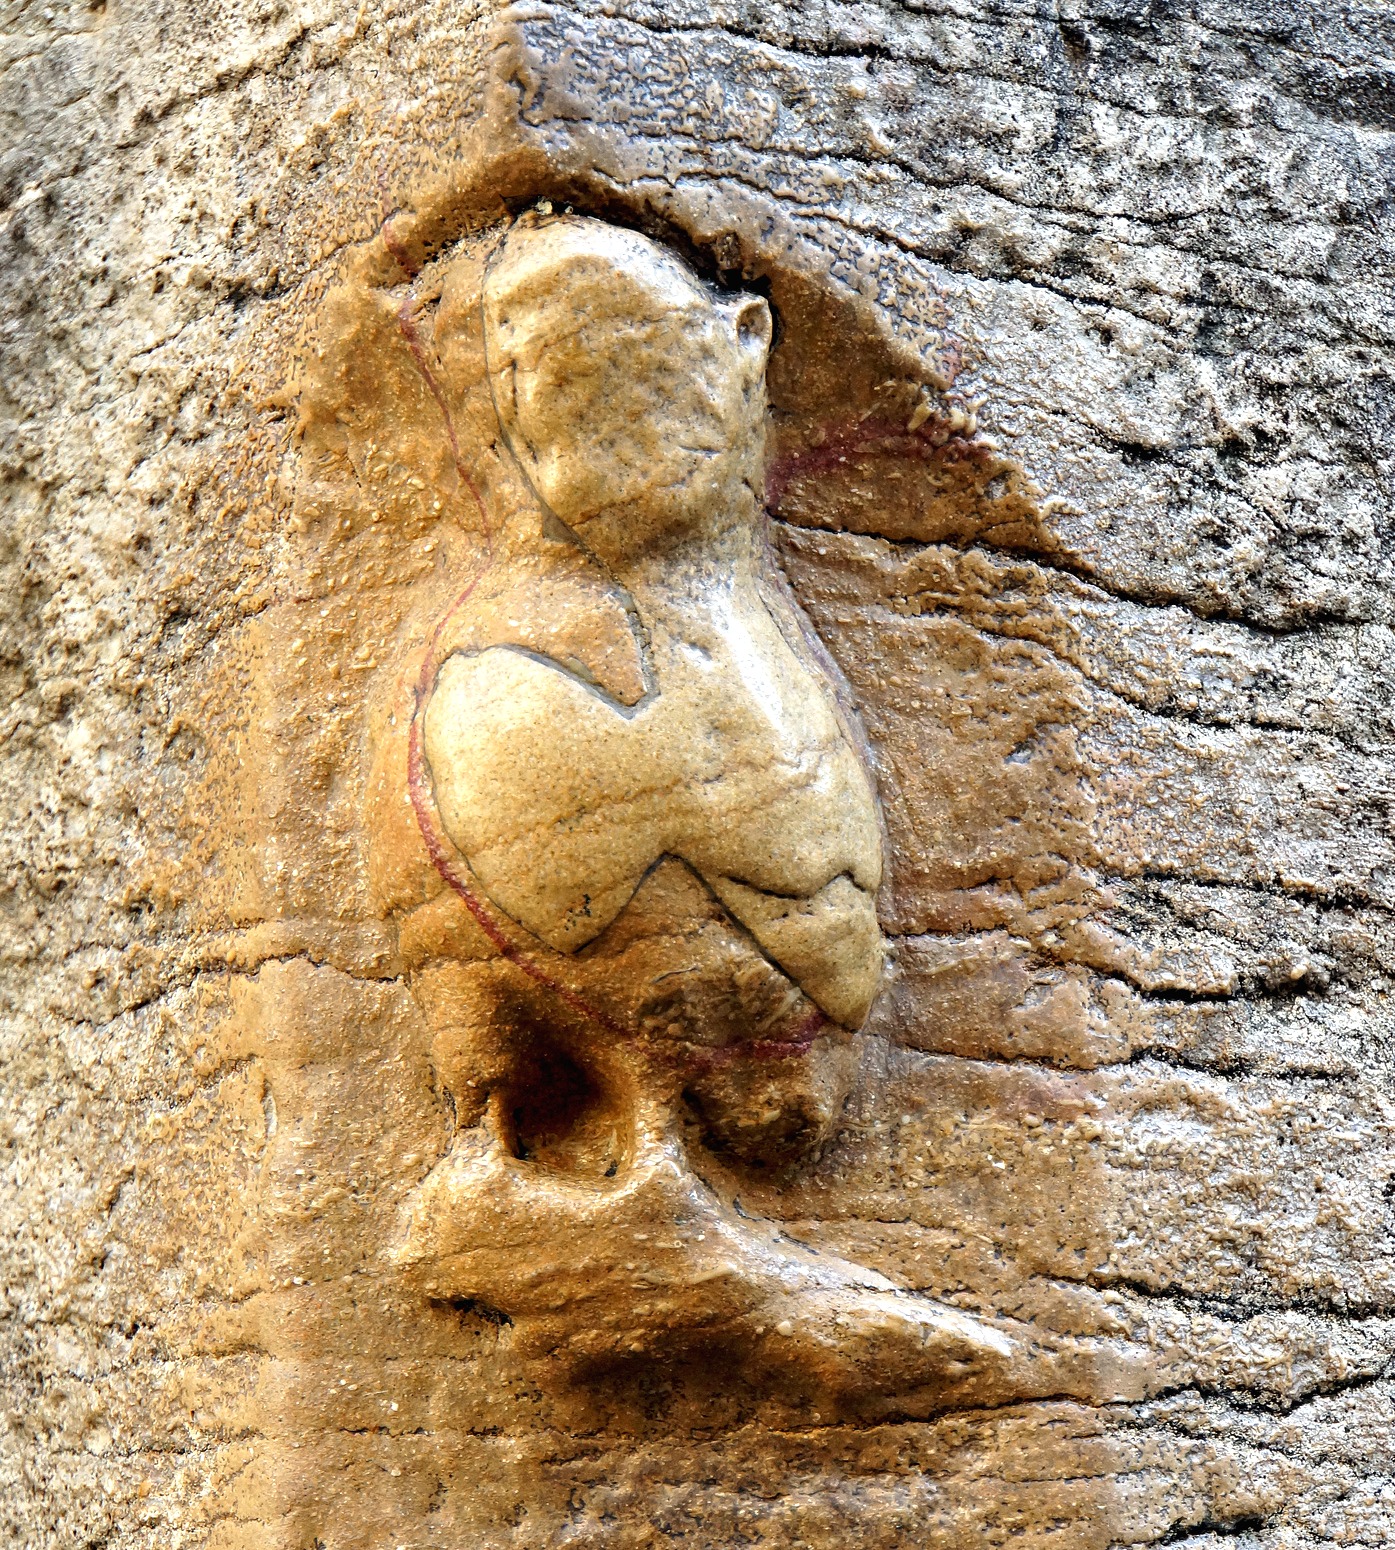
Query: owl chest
point(522, 753)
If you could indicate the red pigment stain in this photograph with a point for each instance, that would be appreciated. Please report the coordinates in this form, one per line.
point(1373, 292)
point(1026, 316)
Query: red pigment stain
point(932, 442)
point(385, 230)
point(799, 1043)
point(399, 253)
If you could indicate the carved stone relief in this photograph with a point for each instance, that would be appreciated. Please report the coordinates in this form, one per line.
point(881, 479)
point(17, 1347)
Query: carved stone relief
point(360, 1189)
point(621, 811)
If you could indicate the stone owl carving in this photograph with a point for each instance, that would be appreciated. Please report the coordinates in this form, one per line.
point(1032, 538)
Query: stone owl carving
point(633, 402)
point(622, 818)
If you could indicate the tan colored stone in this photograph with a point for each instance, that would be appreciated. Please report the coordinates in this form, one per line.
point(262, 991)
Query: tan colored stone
point(1076, 453)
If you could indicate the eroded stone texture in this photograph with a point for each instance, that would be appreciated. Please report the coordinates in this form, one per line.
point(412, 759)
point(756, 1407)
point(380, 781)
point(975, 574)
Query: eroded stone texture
point(1080, 449)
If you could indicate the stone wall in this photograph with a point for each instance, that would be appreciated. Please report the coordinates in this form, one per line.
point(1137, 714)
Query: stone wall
point(1113, 599)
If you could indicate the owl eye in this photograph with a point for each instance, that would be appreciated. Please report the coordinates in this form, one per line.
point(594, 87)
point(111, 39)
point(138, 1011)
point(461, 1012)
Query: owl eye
point(753, 325)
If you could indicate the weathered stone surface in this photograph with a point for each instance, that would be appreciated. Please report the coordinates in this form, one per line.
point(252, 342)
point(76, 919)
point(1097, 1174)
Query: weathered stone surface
point(1081, 445)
